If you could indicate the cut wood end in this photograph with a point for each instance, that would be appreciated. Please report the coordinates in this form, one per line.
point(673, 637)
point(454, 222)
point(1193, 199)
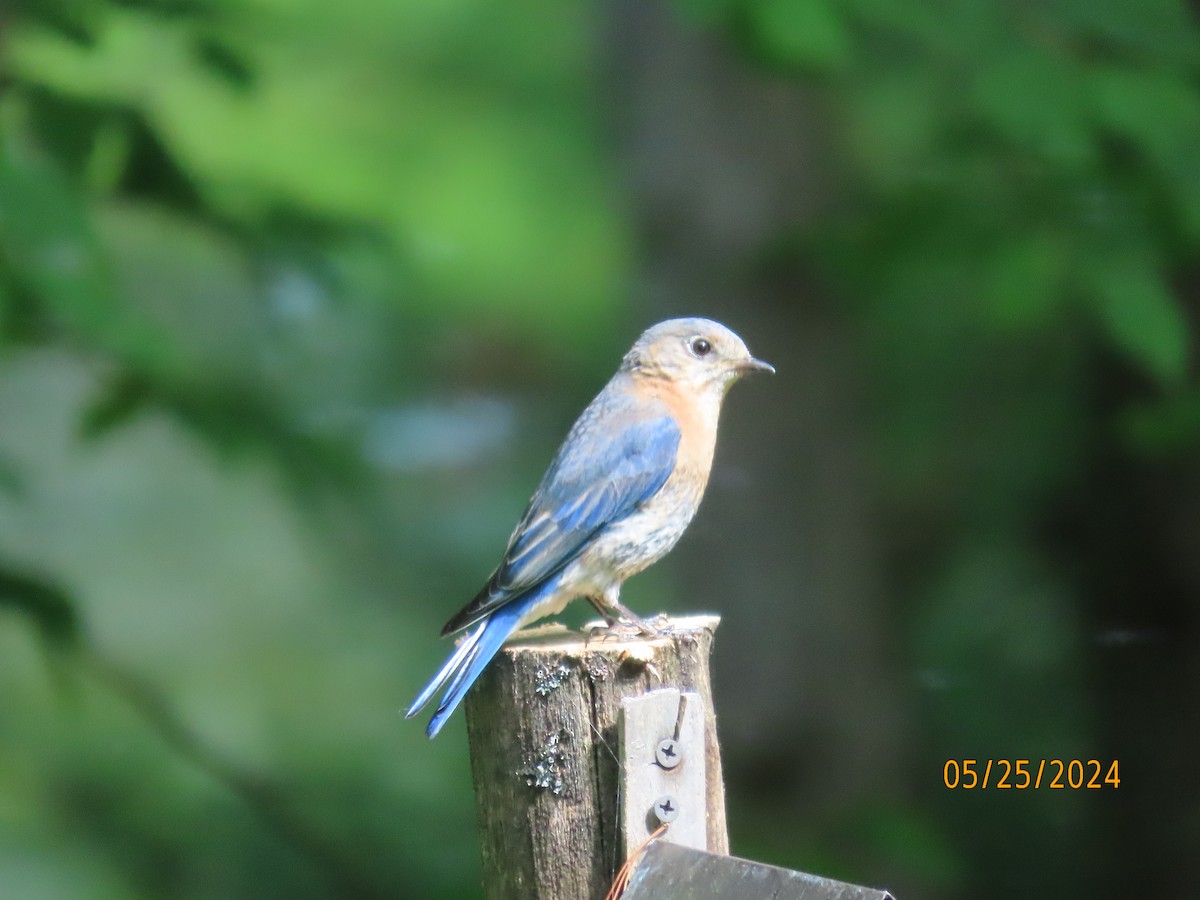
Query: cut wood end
point(596, 635)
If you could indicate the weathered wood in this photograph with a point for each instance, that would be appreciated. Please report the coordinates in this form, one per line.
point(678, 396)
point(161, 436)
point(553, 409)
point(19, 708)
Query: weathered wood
point(542, 725)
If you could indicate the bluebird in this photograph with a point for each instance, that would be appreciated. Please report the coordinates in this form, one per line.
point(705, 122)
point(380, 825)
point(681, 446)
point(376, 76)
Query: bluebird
point(618, 496)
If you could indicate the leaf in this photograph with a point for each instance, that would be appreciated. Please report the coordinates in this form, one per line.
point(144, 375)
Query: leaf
point(224, 62)
point(153, 172)
point(1141, 315)
point(1158, 111)
point(806, 33)
point(47, 605)
point(47, 242)
point(894, 125)
point(65, 127)
point(1022, 280)
point(1034, 98)
point(1162, 31)
point(121, 399)
point(182, 8)
point(51, 254)
point(75, 22)
point(1168, 426)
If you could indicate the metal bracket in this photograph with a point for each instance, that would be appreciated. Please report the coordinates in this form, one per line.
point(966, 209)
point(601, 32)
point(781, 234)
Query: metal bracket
point(663, 768)
point(666, 871)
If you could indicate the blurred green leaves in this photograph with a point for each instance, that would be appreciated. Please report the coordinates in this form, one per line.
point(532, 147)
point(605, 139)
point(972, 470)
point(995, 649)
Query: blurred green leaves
point(807, 35)
point(1141, 315)
point(1013, 241)
point(1014, 233)
point(53, 261)
point(268, 225)
point(1041, 157)
point(47, 606)
point(252, 231)
point(180, 181)
point(457, 134)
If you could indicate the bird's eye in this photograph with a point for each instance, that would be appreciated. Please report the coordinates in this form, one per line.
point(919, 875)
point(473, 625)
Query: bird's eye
point(701, 347)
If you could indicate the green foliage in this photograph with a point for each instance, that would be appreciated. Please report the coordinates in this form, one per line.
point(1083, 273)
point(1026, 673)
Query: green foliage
point(234, 231)
point(1044, 151)
point(1141, 315)
point(47, 606)
point(459, 156)
point(809, 35)
point(1013, 230)
point(251, 231)
point(1024, 145)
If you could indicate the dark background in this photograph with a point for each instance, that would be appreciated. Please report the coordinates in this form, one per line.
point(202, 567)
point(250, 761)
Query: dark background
point(298, 298)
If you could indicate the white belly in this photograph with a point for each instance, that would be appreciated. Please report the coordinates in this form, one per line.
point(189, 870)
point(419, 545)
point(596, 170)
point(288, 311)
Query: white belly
point(622, 550)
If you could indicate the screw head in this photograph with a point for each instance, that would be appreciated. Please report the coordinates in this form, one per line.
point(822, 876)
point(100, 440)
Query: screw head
point(668, 753)
point(666, 808)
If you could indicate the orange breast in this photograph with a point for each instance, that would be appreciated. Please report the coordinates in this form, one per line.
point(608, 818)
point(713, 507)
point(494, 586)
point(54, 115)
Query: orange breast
point(697, 432)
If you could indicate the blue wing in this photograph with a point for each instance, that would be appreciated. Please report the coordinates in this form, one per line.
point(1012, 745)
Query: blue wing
point(610, 463)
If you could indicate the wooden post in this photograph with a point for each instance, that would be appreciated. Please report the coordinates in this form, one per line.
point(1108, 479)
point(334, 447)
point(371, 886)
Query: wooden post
point(542, 724)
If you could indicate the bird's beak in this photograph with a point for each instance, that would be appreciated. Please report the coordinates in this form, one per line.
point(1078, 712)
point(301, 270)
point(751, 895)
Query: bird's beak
point(755, 365)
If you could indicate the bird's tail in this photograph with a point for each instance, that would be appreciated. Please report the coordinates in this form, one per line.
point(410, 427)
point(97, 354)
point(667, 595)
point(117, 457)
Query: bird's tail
point(466, 664)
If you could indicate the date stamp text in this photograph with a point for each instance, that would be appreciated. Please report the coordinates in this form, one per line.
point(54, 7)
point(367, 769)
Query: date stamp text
point(1030, 774)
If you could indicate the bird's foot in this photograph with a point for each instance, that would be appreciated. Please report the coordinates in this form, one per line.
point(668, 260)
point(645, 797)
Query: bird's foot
point(619, 621)
point(617, 630)
point(661, 628)
point(643, 627)
point(630, 623)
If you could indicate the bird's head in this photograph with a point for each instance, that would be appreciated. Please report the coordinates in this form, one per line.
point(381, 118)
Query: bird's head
point(700, 353)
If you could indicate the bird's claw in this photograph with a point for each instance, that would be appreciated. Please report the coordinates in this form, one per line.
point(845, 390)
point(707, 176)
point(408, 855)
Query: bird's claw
point(628, 625)
point(644, 627)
